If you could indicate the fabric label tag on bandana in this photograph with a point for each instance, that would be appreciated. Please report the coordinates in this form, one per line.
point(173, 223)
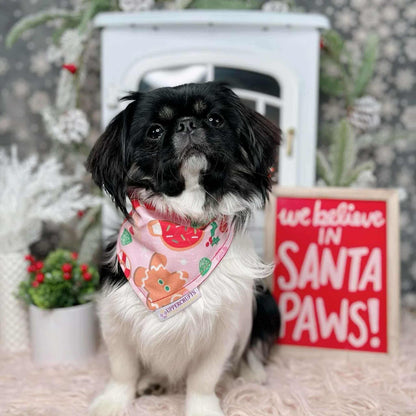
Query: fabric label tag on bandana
point(179, 305)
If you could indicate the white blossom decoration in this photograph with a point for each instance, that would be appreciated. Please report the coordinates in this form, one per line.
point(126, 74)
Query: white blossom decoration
point(135, 5)
point(72, 45)
point(275, 6)
point(32, 192)
point(70, 127)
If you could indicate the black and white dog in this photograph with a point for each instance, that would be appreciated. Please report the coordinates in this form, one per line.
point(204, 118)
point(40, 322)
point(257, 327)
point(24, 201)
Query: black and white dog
point(190, 153)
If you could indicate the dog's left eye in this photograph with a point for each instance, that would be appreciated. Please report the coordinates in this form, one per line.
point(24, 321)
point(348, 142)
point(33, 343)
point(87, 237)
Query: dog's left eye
point(215, 119)
point(155, 132)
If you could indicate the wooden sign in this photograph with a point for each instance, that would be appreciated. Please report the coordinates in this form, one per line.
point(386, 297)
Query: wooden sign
point(336, 278)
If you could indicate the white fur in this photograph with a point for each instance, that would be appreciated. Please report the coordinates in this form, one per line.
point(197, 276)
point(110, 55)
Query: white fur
point(195, 345)
point(190, 203)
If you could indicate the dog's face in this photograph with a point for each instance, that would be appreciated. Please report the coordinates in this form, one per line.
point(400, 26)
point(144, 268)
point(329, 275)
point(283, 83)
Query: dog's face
point(167, 135)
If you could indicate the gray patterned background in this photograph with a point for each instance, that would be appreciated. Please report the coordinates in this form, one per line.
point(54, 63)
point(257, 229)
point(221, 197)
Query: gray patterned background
point(28, 80)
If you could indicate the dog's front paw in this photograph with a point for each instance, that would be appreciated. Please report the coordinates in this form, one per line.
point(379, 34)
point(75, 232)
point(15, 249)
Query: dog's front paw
point(253, 370)
point(113, 402)
point(150, 384)
point(203, 405)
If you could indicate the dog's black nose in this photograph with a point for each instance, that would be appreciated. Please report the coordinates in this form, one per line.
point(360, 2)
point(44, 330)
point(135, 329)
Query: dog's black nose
point(186, 124)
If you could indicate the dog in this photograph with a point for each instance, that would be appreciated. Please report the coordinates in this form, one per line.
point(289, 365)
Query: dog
point(192, 159)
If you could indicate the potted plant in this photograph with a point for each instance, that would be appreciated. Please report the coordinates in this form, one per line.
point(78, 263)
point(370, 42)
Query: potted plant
point(63, 325)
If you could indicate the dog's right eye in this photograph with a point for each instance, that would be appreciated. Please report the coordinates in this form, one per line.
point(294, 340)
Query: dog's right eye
point(155, 132)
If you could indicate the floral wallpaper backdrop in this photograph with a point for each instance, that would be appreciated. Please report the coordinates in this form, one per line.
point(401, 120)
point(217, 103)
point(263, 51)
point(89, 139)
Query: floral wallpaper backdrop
point(28, 79)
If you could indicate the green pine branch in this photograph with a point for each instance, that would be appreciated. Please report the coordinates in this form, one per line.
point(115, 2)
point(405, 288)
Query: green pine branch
point(366, 69)
point(34, 20)
point(70, 19)
point(342, 154)
point(353, 175)
point(323, 169)
point(340, 168)
point(353, 77)
point(330, 85)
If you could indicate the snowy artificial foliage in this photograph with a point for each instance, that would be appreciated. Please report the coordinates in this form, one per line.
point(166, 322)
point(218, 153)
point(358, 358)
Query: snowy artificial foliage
point(72, 45)
point(275, 6)
point(135, 5)
point(54, 54)
point(66, 93)
point(71, 126)
point(32, 192)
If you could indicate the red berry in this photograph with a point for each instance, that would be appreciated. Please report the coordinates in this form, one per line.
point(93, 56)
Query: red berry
point(84, 267)
point(39, 265)
point(67, 276)
point(30, 258)
point(35, 283)
point(70, 67)
point(87, 276)
point(74, 255)
point(66, 267)
point(40, 277)
point(80, 213)
point(31, 268)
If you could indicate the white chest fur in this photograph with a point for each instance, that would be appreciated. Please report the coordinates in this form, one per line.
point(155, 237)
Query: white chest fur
point(168, 348)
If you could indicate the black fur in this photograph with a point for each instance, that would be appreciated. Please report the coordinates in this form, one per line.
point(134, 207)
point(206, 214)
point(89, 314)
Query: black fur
point(266, 322)
point(240, 152)
point(107, 274)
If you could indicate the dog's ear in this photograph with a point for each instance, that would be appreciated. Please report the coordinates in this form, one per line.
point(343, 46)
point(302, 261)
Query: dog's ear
point(261, 139)
point(107, 161)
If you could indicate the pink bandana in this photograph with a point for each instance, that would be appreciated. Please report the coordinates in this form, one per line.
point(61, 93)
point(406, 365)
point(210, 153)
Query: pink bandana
point(165, 259)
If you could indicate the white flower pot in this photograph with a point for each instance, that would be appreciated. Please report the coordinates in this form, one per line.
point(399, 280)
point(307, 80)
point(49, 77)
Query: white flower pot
point(63, 335)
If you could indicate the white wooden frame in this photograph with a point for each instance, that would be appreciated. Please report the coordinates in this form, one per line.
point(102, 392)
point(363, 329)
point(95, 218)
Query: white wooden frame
point(390, 196)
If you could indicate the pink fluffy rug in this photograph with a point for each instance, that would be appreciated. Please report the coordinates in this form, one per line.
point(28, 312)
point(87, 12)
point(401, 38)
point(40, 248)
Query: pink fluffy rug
point(301, 387)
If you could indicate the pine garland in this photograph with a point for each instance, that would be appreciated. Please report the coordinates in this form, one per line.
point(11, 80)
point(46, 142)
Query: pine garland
point(37, 19)
point(341, 169)
point(65, 122)
point(343, 78)
point(352, 79)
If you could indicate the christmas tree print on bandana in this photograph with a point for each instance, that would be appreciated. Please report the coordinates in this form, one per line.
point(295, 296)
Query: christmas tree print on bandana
point(160, 285)
point(166, 258)
point(204, 265)
point(126, 238)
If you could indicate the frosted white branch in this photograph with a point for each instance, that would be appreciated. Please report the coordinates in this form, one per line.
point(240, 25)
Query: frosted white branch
point(32, 192)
